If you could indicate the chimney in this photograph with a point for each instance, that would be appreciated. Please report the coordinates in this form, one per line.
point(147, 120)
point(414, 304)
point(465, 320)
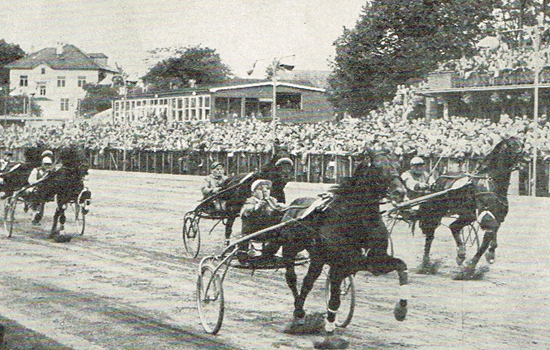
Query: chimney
point(59, 48)
point(192, 83)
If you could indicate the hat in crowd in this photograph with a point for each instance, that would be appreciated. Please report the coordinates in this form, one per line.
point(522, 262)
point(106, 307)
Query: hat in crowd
point(417, 161)
point(215, 165)
point(259, 183)
point(285, 160)
point(47, 160)
point(47, 153)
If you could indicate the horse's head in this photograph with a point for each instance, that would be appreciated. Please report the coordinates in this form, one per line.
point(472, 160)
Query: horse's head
point(505, 156)
point(72, 161)
point(381, 170)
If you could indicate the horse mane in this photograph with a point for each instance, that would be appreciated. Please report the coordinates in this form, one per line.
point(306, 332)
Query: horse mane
point(71, 160)
point(494, 159)
point(365, 181)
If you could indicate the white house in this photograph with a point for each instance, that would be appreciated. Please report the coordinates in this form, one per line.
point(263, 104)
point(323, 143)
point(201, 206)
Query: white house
point(54, 78)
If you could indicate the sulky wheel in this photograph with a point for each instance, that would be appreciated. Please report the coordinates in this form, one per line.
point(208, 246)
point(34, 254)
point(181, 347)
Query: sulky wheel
point(347, 299)
point(469, 235)
point(191, 235)
point(9, 214)
point(79, 218)
point(210, 301)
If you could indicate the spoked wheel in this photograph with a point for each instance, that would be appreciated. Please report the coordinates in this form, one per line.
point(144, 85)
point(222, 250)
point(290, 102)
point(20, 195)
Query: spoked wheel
point(9, 214)
point(347, 299)
point(79, 217)
point(191, 235)
point(469, 235)
point(210, 301)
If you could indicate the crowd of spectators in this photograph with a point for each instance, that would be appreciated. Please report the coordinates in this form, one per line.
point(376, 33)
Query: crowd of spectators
point(387, 127)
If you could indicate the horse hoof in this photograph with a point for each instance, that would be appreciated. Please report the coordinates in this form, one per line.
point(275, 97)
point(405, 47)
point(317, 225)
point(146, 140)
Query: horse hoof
point(460, 255)
point(400, 310)
point(490, 256)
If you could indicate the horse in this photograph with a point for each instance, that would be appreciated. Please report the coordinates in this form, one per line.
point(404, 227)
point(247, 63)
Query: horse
point(62, 185)
point(346, 232)
point(236, 189)
point(483, 198)
point(17, 175)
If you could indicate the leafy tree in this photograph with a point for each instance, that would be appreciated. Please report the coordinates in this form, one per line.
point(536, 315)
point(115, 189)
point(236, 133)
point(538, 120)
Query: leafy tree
point(396, 41)
point(98, 98)
point(8, 54)
point(19, 104)
point(203, 65)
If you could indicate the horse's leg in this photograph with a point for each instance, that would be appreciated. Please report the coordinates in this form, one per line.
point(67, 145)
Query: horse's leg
point(456, 227)
point(490, 255)
point(290, 274)
point(62, 217)
point(336, 277)
point(429, 220)
point(228, 229)
point(490, 225)
point(381, 264)
point(314, 271)
point(54, 231)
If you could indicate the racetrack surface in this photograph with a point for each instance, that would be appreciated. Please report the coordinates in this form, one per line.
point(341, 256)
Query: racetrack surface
point(126, 283)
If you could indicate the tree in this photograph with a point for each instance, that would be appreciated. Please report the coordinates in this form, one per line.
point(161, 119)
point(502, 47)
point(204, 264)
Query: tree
point(397, 41)
point(202, 65)
point(8, 54)
point(98, 98)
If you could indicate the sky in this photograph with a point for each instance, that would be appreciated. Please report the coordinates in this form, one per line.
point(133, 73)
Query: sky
point(241, 31)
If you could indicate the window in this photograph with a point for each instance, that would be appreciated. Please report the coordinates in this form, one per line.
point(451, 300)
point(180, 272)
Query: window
point(60, 81)
point(42, 89)
point(289, 101)
point(81, 81)
point(43, 70)
point(23, 80)
point(64, 104)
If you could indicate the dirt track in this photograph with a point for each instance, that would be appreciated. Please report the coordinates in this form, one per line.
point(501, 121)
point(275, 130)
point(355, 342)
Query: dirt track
point(126, 284)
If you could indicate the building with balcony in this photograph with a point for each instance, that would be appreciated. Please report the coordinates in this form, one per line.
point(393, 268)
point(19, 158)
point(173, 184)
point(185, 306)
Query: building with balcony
point(54, 78)
point(486, 94)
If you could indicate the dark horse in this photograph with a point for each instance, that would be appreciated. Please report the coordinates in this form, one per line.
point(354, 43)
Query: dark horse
point(18, 173)
point(279, 170)
point(483, 198)
point(62, 185)
point(345, 231)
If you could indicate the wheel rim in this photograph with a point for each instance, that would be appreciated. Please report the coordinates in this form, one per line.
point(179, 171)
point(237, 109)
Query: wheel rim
point(210, 300)
point(191, 236)
point(79, 219)
point(347, 301)
point(9, 215)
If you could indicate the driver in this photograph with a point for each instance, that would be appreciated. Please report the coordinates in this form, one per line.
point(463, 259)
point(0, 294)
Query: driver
point(260, 211)
point(37, 174)
point(416, 179)
point(213, 185)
